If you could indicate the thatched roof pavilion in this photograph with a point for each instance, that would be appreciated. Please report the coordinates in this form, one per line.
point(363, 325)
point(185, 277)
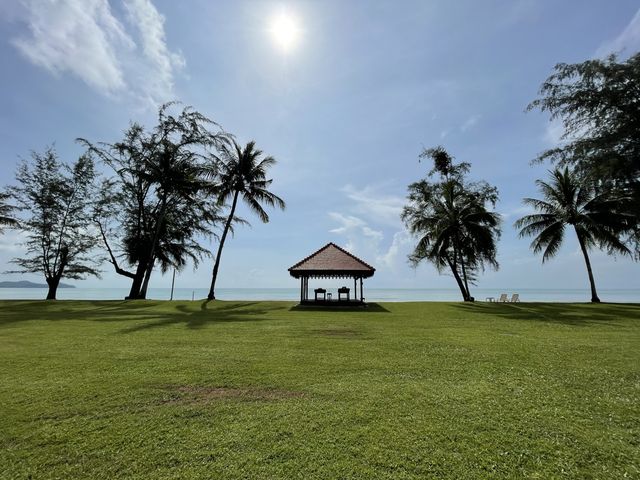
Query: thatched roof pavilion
point(331, 261)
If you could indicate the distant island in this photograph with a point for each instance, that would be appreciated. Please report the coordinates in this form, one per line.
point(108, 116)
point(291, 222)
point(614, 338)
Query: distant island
point(28, 284)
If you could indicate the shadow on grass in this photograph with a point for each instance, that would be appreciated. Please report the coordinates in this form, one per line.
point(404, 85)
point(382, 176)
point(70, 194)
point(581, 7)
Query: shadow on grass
point(561, 313)
point(153, 314)
point(369, 307)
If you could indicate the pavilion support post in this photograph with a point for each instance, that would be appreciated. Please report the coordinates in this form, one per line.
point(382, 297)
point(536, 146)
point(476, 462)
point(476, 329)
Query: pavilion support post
point(355, 289)
point(301, 289)
point(361, 292)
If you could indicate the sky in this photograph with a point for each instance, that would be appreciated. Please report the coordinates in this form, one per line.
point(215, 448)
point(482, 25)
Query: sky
point(345, 106)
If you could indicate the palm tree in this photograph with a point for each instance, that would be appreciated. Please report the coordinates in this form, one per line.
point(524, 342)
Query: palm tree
point(243, 174)
point(597, 217)
point(6, 210)
point(454, 227)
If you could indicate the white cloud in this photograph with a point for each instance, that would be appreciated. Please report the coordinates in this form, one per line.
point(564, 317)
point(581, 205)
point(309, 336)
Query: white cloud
point(158, 58)
point(628, 41)
point(517, 212)
point(363, 228)
point(400, 247)
point(85, 39)
point(470, 122)
point(76, 36)
point(377, 207)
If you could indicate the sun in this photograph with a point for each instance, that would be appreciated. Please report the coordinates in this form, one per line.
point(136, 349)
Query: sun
point(285, 31)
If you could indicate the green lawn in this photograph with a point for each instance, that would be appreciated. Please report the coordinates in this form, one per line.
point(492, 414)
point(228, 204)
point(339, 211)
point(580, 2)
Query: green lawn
point(144, 390)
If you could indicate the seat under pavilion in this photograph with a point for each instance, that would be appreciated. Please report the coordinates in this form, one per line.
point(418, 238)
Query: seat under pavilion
point(331, 261)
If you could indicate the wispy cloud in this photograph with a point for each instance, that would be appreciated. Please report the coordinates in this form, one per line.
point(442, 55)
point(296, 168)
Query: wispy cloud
point(85, 39)
point(470, 122)
point(516, 212)
point(397, 251)
point(157, 56)
point(374, 205)
point(628, 41)
point(76, 36)
point(372, 228)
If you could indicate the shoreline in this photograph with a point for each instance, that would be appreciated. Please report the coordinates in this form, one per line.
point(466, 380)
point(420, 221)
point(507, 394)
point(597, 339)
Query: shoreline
point(296, 303)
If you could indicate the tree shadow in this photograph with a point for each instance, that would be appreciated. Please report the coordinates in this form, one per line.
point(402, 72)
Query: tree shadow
point(154, 314)
point(208, 313)
point(582, 314)
point(368, 307)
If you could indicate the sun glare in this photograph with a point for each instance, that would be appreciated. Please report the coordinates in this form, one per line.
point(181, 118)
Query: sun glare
point(285, 31)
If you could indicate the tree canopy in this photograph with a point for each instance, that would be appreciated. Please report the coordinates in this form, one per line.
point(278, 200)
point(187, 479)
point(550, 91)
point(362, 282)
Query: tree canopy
point(596, 215)
point(54, 199)
point(243, 174)
point(598, 103)
point(160, 198)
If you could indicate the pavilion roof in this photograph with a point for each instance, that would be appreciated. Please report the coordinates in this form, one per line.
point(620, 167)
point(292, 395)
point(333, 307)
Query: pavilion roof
point(331, 261)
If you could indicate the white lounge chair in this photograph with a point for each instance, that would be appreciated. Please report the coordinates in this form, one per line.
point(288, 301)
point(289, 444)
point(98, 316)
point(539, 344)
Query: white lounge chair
point(515, 298)
point(503, 298)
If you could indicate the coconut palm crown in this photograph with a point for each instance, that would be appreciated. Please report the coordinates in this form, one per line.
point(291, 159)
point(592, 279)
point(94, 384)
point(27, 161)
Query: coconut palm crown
point(243, 174)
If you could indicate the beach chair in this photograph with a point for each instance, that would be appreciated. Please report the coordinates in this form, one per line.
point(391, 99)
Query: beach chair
point(503, 298)
point(515, 298)
point(320, 291)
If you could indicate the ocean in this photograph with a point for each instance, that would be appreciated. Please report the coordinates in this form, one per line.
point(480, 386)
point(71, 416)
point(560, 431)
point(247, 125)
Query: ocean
point(293, 294)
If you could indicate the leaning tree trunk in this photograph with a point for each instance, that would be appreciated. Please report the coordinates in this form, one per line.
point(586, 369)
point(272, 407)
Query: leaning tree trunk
point(216, 266)
point(147, 277)
point(592, 282)
point(456, 275)
point(465, 281)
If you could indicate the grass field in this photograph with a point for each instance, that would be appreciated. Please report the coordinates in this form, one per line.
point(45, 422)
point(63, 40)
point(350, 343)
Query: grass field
point(145, 390)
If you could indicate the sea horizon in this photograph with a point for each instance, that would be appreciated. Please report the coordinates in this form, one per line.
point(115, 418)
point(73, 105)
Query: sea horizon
point(293, 294)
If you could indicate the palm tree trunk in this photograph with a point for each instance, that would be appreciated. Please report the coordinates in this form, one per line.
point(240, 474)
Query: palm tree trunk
point(466, 282)
point(456, 275)
point(216, 266)
point(592, 282)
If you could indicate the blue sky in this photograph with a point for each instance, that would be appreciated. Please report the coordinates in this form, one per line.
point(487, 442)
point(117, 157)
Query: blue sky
point(345, 111)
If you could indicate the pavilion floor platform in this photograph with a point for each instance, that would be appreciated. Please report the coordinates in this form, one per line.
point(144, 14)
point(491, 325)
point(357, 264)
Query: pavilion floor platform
point(333, 303)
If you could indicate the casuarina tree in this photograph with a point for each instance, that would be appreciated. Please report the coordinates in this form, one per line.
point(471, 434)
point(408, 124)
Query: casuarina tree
point(598, 104)
point(54, 200)
point(7, 212)
point(158, 201)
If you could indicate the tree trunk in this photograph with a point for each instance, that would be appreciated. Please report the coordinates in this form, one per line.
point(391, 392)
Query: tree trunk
point(134, 293)
point(53, 283)
point(216, 266)
point(592, 282)
point(154, 243)
point(456, 275)
point(145, 283)
point(466, 283)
